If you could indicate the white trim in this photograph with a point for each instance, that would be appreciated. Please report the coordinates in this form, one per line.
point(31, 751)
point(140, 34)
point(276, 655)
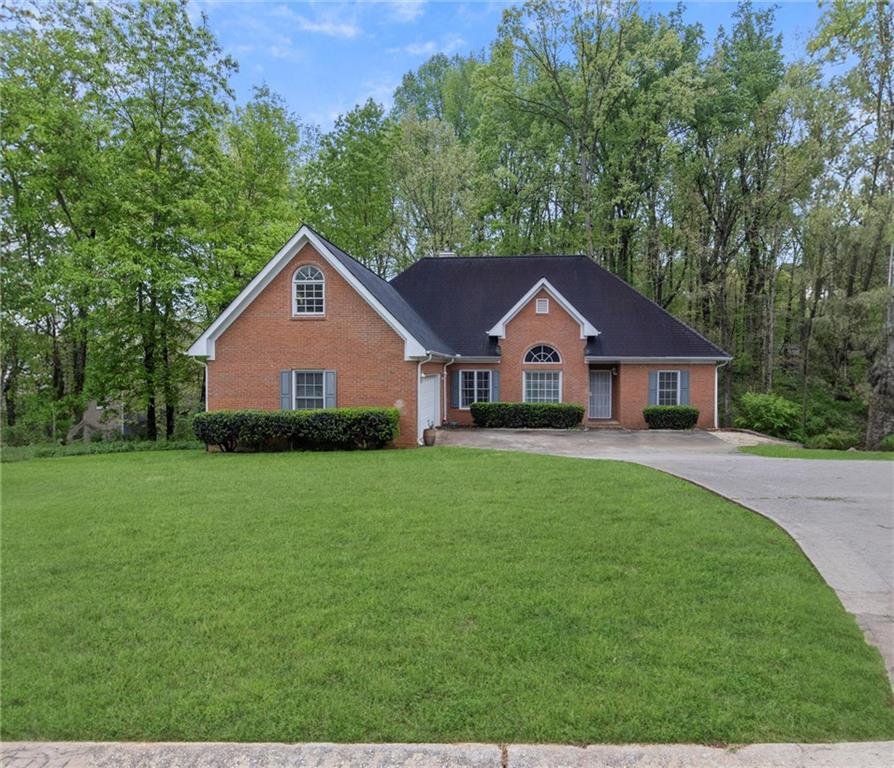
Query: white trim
point(716, 411)
point(294, 389)
point(611, 394)
point(321, 281)
point(658, 384)
point(586, 327)
point(525, 360)
point(525, 388)
point(204, 345)
point(655, 359)
point(476, 371)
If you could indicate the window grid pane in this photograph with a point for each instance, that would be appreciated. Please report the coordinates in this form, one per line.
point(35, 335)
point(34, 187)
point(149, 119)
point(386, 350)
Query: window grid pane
point(474, 387)
point(542, 387)
point(542, 354)
point(309, 390)
point(667, 387)
point(308, 298)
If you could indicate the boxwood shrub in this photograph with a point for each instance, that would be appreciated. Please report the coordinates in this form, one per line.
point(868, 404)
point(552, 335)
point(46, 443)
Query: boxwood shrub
point(527, 415)
point(671, 416)
point(330, 429)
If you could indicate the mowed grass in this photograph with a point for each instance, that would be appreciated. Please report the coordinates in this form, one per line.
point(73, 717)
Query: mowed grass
point(428, 595)
point(790, 452)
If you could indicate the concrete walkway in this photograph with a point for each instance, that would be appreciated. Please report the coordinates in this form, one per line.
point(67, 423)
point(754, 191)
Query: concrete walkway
point(218, 755)
point(841, 513)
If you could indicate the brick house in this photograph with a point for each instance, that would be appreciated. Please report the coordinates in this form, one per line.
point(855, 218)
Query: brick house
point(315, 328)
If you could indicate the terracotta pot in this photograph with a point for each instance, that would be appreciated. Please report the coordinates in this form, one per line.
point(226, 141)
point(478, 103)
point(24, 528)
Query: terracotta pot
point(428, 436)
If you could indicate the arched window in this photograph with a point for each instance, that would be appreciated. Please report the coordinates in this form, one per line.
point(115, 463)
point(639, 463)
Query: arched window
point(542, 354)
point(308, 291)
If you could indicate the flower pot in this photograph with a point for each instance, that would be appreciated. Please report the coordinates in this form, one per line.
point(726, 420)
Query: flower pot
point(428, 436)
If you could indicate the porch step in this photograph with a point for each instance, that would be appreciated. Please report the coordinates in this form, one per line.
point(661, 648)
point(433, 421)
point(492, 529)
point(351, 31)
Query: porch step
point(603, 424)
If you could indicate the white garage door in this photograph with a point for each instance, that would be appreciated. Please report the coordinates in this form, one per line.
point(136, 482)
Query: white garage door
point(429, 402)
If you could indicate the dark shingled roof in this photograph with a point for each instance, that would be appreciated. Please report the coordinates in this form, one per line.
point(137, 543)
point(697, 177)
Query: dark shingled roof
point(386, 294)
point(461, 298)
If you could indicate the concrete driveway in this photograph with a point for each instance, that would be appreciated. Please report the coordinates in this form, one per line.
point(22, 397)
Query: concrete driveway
point(841, 513)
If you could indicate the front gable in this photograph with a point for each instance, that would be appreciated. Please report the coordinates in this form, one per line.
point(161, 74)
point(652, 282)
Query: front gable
point(543, 289)
point(204, 346)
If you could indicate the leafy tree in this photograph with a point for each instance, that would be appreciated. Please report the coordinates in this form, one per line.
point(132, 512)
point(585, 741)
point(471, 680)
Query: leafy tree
point(352, 187)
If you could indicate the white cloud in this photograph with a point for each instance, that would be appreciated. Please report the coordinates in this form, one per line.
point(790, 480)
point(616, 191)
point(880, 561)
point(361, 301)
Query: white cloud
point(407, 10)
point(325, 24)
point(429, 47)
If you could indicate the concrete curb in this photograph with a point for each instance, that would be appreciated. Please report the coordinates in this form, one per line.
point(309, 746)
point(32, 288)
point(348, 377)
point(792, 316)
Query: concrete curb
point(877, 754)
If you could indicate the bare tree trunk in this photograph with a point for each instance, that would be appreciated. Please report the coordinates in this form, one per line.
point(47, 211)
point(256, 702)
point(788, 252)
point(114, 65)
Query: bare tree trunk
point(881, 401)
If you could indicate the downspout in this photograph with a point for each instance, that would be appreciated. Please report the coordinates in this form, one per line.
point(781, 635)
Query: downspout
point(716, 392)
point(444, 387)
point(418, 393)
point(204, 365)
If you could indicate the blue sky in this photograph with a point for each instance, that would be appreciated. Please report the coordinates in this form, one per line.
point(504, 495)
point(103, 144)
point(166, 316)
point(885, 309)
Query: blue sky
point(325, 57)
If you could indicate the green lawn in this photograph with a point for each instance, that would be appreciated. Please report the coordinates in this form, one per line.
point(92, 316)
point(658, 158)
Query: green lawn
point(788, 452)
point(427, 595)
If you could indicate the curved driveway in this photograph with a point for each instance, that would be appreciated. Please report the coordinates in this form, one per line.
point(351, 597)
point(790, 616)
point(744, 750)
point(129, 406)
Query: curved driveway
point(841, 513)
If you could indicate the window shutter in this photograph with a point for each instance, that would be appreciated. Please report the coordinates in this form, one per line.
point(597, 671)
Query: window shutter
point(495, 386)
point(454, 389)
point(653, 387)
point(329, 389)
point(684, 387)
point(285, 390)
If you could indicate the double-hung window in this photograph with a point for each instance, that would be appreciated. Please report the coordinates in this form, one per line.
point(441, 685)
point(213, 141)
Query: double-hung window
point(308, 292)
point(474, 387)
point(309, 390)
point(543, 386)
point(668, 387)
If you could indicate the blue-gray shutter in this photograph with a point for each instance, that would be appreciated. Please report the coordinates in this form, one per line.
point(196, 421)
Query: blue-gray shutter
point(495, 386)
point(329, 389)
point(454, 389)
point(285, 390)
point(684, 387)
point(653, 387)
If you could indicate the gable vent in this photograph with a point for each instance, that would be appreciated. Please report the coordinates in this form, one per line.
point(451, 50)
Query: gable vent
point(542, 306)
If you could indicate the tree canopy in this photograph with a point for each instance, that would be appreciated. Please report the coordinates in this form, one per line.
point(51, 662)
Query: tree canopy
point(748, 193)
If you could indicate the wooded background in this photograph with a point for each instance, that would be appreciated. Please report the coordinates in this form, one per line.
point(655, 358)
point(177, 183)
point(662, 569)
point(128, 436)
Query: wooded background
point(748, 194)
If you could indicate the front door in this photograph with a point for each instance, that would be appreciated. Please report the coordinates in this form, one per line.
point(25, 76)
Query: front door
point(600, 394)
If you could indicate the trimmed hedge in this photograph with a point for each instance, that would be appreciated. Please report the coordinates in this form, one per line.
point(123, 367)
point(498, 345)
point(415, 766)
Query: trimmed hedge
point(671, 416)
point(527, 415)
point(329, 429)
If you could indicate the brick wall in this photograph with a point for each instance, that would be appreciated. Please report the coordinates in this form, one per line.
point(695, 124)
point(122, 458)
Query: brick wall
point(527, 329)
point(351, 339)
point(633, 391)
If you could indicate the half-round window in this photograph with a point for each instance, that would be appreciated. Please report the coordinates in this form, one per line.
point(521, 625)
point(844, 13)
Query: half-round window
point(308, 291)
point(542, 354)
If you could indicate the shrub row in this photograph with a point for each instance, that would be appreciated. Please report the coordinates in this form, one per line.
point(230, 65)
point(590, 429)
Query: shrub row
point(527, 415)
point(837, 439)
point(330, 429)
point(769, 414)
point(671, 416)
point(51, 450)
